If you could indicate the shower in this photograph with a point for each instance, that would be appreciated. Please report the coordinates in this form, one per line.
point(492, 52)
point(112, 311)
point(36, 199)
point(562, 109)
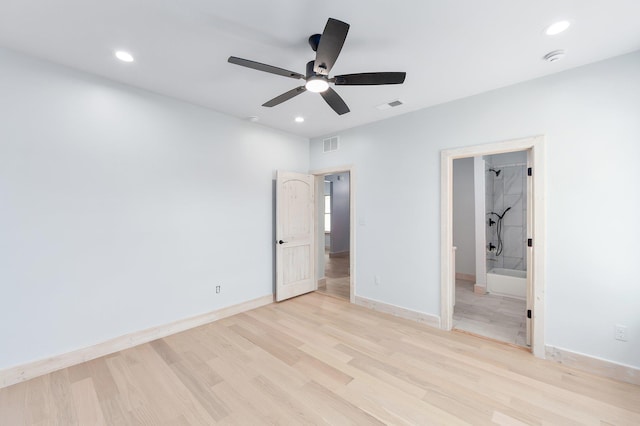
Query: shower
point(498, 222)
point(505, 220)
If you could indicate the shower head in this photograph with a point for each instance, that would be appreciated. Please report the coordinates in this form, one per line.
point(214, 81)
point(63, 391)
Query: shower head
point(497, 172)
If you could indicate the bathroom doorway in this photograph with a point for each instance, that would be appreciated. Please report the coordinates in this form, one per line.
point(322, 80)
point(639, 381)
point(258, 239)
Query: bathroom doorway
point(535, 224)
point(490, 201)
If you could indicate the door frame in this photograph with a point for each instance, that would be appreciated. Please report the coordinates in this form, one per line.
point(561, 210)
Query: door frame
point(319, 180)
point(536, 277)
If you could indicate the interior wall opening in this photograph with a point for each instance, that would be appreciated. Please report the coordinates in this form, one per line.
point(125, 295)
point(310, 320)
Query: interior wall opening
point(490, 238)
point(335, 222)
point(535, 223)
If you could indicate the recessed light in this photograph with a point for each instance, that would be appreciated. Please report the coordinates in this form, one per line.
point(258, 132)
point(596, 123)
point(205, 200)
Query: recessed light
point(299, 119)
point(253, 118)
point(557, 27)
point(124, 56)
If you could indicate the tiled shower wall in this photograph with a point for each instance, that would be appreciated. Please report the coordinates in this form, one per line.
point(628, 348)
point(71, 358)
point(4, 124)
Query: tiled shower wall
point(507, 190)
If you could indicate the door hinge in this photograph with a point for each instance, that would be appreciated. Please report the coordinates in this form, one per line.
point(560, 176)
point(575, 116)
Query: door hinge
point(530, 242)
point(529, 171)
point(529, 313)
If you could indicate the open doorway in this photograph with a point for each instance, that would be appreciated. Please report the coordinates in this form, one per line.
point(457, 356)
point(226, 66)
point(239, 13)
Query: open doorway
point(490, 229)
point(335, 232)
point(535, 248)
point(335, 200)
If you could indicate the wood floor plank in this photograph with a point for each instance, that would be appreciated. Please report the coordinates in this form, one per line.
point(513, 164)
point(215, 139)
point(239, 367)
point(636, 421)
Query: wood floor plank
point(59, 389)
point(131, 394)
point(316, 359)
point(404, 408)
point(40, 401)
point(288, 400)
point(242, 407)
point(86, 403)
point(171, 397)
point(238, 390)
point(334, 409)
point(13, 404)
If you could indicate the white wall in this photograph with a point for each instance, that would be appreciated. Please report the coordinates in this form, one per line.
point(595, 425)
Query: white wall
point(464, 216)
point(590, 118)
point(339, 212)
point(122, 210)
point(479, 190)
point(327, 237)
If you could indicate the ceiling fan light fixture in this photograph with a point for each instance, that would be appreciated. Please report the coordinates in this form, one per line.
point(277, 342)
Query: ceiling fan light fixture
point(317, 84)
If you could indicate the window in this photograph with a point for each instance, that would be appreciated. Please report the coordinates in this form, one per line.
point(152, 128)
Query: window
point(327, 213)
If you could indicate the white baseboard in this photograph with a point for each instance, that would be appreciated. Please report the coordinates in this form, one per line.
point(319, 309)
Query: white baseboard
point(598, 366)
point(428, 319)
point(479, 289)
point(30, 370)
point(322, 282)
point(339, 254)
point(465, 277)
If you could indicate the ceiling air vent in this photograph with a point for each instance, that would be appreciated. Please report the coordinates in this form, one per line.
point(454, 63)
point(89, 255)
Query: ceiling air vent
point(391, 104)
point(331, 144)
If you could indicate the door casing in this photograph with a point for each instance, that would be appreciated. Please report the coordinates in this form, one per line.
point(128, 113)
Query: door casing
point(536, 227)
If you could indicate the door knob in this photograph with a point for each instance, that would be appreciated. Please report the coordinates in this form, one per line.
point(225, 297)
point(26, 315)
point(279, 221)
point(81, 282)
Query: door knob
point(281, 242)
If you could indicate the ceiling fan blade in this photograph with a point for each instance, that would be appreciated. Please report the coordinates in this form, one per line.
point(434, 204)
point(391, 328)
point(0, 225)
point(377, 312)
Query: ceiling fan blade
point(370, 78)
point(335, 101)
point(331, 42)
point(264, 67)
point(285, 96)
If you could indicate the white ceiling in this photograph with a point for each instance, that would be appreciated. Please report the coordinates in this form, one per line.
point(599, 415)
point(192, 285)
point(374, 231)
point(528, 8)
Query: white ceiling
point(449, 49)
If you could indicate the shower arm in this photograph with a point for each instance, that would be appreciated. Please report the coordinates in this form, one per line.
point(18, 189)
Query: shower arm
point(503, 213)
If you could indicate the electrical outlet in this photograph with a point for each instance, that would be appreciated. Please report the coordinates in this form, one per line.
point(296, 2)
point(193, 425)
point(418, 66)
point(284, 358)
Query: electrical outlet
point(621, 333)
point(376, 280)
point(217, 289)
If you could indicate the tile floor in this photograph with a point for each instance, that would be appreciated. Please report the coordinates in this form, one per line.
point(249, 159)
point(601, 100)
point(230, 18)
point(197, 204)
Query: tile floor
point(336, 271)
point(497, 317)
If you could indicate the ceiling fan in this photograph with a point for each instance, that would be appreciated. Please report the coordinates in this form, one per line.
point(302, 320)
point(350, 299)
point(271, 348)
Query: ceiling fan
point(327, 47)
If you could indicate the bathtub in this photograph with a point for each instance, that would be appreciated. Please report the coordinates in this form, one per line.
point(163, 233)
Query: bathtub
point(507, 282)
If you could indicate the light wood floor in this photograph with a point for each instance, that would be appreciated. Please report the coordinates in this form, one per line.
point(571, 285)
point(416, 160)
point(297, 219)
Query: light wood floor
point(497, 317)
point(336, 271)
point(319, 360)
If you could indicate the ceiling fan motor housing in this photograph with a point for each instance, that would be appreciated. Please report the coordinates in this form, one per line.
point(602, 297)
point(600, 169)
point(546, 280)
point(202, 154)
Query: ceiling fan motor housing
point(311, 72)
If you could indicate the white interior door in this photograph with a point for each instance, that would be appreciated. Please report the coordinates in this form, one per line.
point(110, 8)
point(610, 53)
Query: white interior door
point(295, 242)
